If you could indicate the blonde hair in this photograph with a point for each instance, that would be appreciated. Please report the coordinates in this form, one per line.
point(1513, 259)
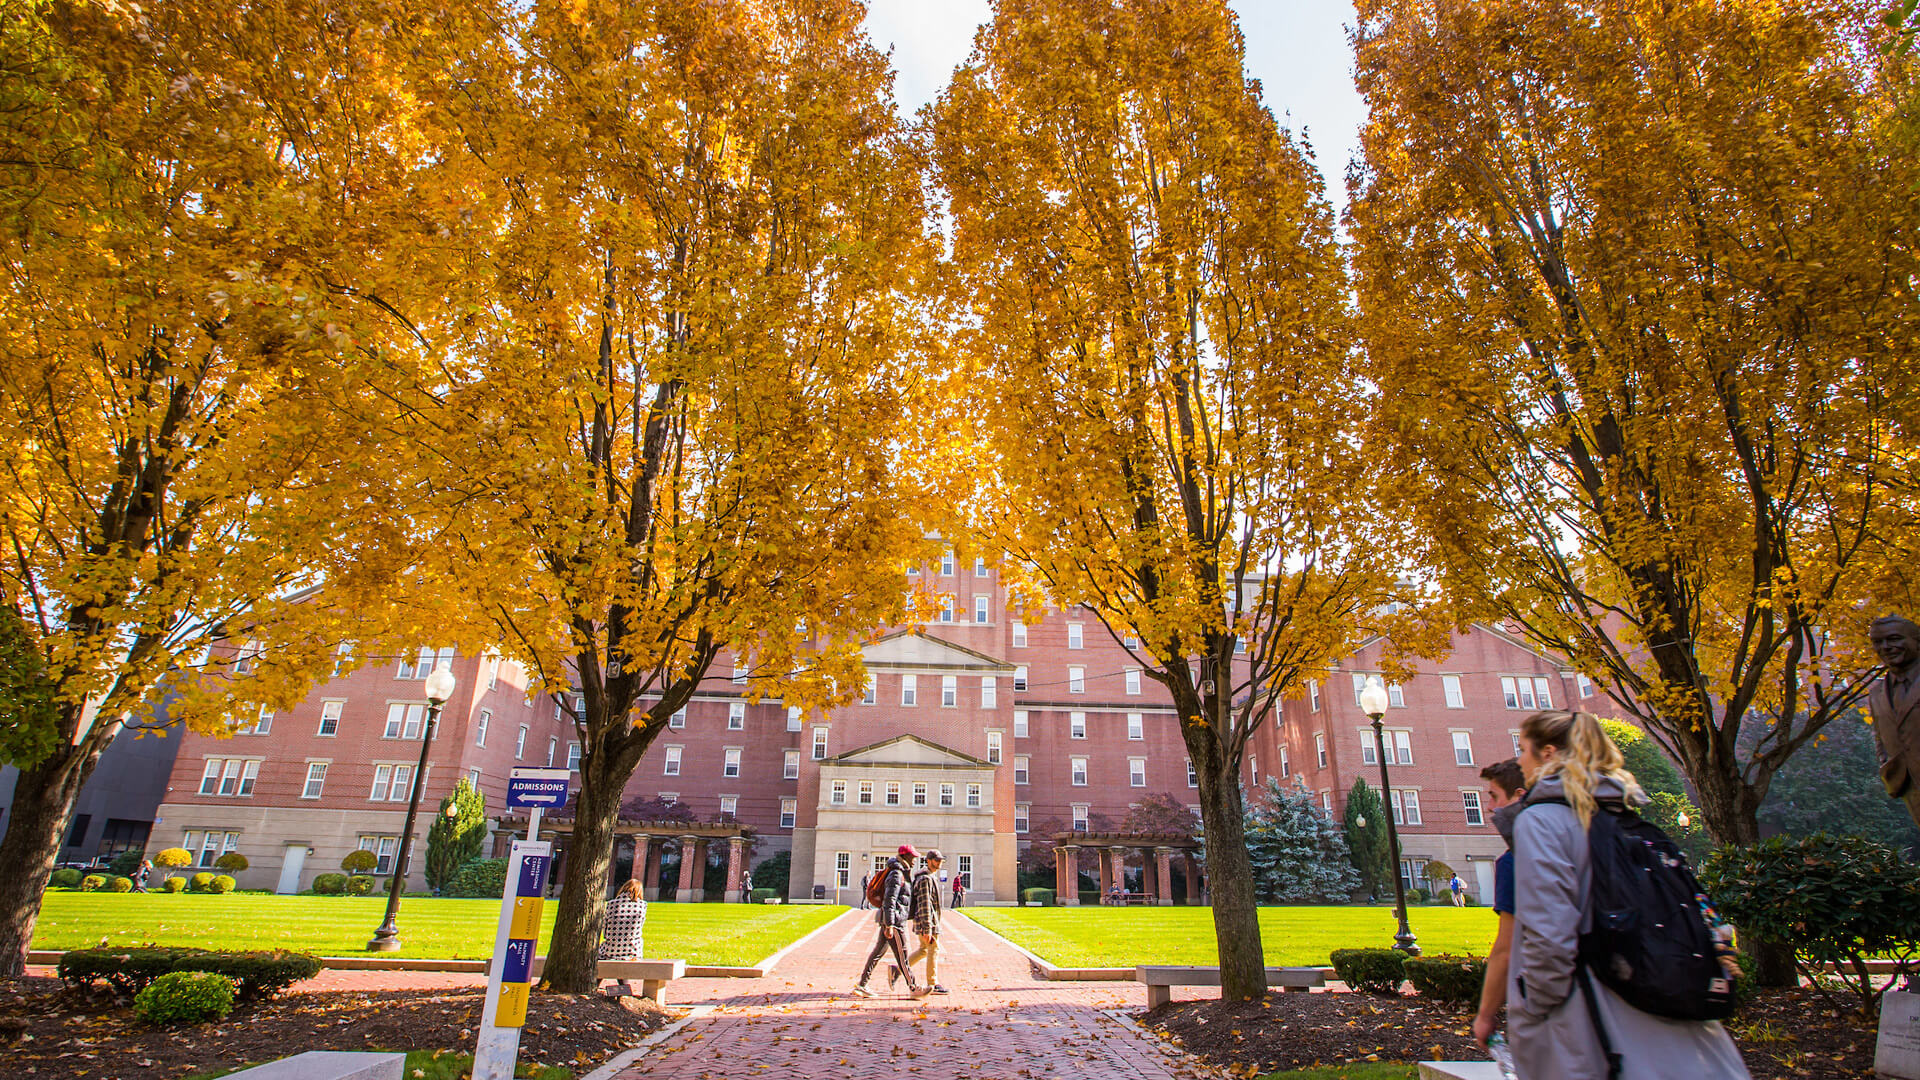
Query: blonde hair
point(630, 890)
point(1583, 757)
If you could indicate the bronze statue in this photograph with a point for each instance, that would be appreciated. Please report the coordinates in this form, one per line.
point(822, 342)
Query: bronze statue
point(1895, 705)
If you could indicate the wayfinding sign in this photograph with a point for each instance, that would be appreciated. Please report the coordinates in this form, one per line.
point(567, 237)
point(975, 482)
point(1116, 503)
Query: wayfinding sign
point(510, 976)
point(543, 789)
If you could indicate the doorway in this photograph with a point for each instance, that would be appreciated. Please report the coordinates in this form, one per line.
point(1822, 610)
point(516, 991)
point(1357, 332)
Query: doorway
point(290, 867)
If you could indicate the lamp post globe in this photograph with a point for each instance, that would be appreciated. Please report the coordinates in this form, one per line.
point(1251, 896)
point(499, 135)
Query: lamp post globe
point(1374, 702)
point(438, 688)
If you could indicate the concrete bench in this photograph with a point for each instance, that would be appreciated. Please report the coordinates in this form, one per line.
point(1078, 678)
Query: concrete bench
point(1160, 979)
point(329, 1065)
point(652, 975)
point(1459, 1070)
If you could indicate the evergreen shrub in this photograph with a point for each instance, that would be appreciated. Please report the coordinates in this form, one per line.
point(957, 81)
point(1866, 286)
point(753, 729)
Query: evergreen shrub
point(330, 884)
point(185, 997)
point(221, 883)
point(257, 975)
point(1456, 979)
point(201, 881)
point(65, 878)
point(120, 884)
point(1371, 971)
point(232, 862)
point(93, 882)
point(359, 885)
point(174, 884)
point(480, 878)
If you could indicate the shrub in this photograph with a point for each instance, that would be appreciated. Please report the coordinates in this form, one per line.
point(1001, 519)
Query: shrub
point(1833, 899)
point(185, 997)
point(1447, 978)
point(1042, 897)
point(174, 884)
point(774, 872)
point(173, 858)
point(763, 894)
point(479, 878)
point(453, 841)
point(64, 878)
point(330, 884)
point(1418, 896)
point(221, 883)
point(120, 884)
point(93, 882)
point(232, 862)
point(359, 885)
point(201, 881)
point(1372, 971)
point(359, 861)
point(127, 863)
point(258, 975)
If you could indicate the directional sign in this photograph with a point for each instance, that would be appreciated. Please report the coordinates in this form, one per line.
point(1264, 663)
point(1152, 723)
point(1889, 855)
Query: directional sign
point(544, 788)
point(510, 976)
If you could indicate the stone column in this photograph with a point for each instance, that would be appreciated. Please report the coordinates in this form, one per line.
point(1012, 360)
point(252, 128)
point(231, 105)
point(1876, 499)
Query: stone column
point(685, 894)
point(650, 873)
point(1163, 874)
point(1196, 892)
point(1071, 896)
point(699, 871)
point(1059, 872)
point(1149, 882)
point(736, 869)
point(1109, 870)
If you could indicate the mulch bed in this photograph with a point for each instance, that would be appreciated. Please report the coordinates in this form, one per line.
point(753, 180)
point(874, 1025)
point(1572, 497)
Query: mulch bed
point(1787, 1033)
point(46, 1031)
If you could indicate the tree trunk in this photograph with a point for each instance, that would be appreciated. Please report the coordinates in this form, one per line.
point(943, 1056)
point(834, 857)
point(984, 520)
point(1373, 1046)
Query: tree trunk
point(1732, 815)
point(1236, 919)
point(43, 798)
point(573, 953)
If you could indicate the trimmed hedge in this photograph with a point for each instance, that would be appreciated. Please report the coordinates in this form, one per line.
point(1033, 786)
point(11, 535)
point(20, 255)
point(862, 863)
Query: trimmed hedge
point(174, 884)
point(120, 884)
point(1042, 897)
point(1447, 978)
point(232, 862)
point(359, 861)
point(201, 881)
point(1372, 971)
point(93, 882)
point(173, 858)
point(330, 884)
point(763, 894)
point(479, 878)
point(185, 997)
point(222, 883)
point(65, 878)
point(260, 975)
point(359, 885)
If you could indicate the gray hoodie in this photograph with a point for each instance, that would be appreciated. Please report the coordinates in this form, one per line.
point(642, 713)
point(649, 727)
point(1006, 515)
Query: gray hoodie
point(1547, 1019)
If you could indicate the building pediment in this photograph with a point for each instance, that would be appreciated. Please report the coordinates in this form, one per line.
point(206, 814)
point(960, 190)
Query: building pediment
point(916, 650)
point(906, 750)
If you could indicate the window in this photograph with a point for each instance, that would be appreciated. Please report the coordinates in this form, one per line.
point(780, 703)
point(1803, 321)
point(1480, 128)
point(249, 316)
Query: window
point(210, 779)
point(248, 774)
point(330, 717)
point(1136, 772)
point(979, 567)
point(1020, 678)
point(671, 767)
point(406, 668)
point(1359, 684)
point(1080, 817)
point(1286, 769)
point(1076, 636)
point(1077, 725)
point(679, 718)
point(866, 793)
point(1542, 693)
point(1136, 727)
point(573, 757)
point(1403, 743)
point(480, 728)
point(1455, 699)
point(842, 869)
point(1020, 723)
point(980, 607)
point(973, 798)
point(789, 809)
point(946, 794)
point(1462, 748)
point(402, 783)
point(909, 689)
point(1412, 800)
point(1076, 680)
point(946, 607)
point(949, 691)
point(736, 715)
point(946, 564)
point(920, 793)
point(553, 745)
point(1320, 749)
point(316, 780)
point(1133, 680)
point(1471, 801)
point(1253, 768)
point(1584, 685)
point(262, 723)
point(209, 849)
point(1367, 755)
point(893, 793)
point(964, 869)
point(1079, 772)
point(790, 769)
point(342, 658)
point(1021, 768)
point(839, 793)
point(1516, 693)
point(1516, 742)
point(405, 721)
point(989, 692)
point(730, 764)
point(230, 778)
point(872, 695)
point(1313, 696)
point(993, 747)
point(669, 797)
point(1193, 778)
point(1019, 634)
point(1130, 640)
point(793, 718)
point(473, 777)
point(520, 744)
point(493, 672)
point(1020, 813)
point(819, 744)
point(739, 673)
point(1396, 696)
point(1393, 797)
point(382, 780)
point(729, 806)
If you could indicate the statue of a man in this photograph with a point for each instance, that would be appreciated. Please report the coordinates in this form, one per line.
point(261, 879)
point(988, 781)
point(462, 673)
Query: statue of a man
point(1895, 705)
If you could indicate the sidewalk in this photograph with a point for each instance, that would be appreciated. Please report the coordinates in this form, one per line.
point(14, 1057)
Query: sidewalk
point(1000, 1023)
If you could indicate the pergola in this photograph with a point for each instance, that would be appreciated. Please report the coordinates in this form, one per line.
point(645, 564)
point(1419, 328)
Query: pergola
point(646, 840)
point(1110, 849)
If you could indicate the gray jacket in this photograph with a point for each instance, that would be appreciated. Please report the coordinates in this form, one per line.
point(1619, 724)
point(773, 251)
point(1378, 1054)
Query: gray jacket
point(1547, 1019)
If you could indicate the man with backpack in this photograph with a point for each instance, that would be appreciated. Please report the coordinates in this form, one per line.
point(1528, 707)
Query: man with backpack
point(892, 897)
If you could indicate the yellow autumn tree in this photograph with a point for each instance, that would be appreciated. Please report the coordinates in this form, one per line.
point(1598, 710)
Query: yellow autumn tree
point(1636, 284)
point(193, 323)
point(668, 429)
point(1154, 335)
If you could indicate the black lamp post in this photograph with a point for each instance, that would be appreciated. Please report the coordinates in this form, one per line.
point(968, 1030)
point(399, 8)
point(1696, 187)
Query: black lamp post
point(439, 688)
point(1373, 702)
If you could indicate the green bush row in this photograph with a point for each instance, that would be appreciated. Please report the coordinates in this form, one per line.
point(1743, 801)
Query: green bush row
point(1372, 971)
point(1042, 897)
point(342, 885)
point(764, 894)
point(1447, 978)
point(259, 975)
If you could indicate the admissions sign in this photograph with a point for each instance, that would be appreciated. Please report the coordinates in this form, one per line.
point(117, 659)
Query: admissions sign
point(510, 976)
point(537, 789)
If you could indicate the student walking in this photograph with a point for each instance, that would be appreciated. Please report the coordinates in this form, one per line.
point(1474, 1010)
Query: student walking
point(894, 914)
point(1506, 787)
point(1459, 891)
point(926, 923)
point(1564, 1023)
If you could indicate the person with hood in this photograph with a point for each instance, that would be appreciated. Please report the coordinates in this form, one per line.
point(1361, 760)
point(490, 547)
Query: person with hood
point(1550, 1021)
point(895, 915)
point(1506, 787)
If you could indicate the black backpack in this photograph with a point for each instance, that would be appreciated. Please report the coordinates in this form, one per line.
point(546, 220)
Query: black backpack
point(1650, 941)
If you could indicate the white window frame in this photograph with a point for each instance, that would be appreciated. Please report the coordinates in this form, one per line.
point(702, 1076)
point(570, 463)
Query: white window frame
point(1136, 727)
point(1583, 684)
point(1022, 813)
point(1193, 775)
point(994, 747)
point(1133, 680)
point(382, 783)
point(330, 715)
point(1022, 768)
point(979, 566)
point(678, 721)
point(980, 613)
point(1080, 813)
point(946, 794)
point(520, 745)
point(1076, 725)
point(573, 755)
point(1286, 767)
point(946, 607)
point(1313, 696)
point(789, 812)
point(1019, 634)
point(872, 693)
point(736, 716)
point(316, 784)
point(863, 793)
point(1077, 769)
point(909, 691)
point(819, 744)
point(949, 691)
point(1456, 696)
point(1462, 747)
point(480, 727)
point(670, 765)
point(793, 718)
point(1021, 730)
point(919, 793)
point(1076, 635)
point(730, 806)
point(1137, 772)
point(892, 795)
point(1076, 680)
point(837, 793)
point(1320, 749)
point(946, 563)
point(1543, 691)
point(790, 765)
point(1020, 679)
point(989, 692)
point(1403, 746)
point(1470, 804)
point(843, 869)
point(730, 762)
point(973, 798)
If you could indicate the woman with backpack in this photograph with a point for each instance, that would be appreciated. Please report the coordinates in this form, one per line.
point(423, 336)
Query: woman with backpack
point(1563, 1021)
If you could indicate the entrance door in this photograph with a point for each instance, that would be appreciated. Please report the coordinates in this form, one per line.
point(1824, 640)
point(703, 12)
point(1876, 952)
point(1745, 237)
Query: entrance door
point(290, 867)
point(1483, 876)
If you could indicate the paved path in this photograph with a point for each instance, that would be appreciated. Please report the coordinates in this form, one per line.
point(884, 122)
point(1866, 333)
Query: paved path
point(1000, 1023)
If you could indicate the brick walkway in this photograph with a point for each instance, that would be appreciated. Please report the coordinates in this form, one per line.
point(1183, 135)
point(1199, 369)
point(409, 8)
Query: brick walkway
point(1000, 1023)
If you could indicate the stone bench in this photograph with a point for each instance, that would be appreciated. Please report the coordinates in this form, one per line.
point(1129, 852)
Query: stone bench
point(1459, 1070)
point(652, 975)
point(1160, 979)
point(329, 1065)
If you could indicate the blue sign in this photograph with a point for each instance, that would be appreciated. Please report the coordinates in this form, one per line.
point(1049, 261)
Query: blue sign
point(544, 788)
point(517, 962)
point(533, 875)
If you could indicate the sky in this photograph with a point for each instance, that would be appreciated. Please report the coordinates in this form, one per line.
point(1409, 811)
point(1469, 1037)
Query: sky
point(1296, 48)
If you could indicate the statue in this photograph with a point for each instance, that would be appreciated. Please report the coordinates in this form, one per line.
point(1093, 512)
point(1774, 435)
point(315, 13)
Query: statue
point(1894, 703)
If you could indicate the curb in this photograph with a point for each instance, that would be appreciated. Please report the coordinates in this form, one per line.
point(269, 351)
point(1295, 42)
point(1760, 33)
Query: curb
point(626, 1058)
point(1049, 973)
point(1171, 1049)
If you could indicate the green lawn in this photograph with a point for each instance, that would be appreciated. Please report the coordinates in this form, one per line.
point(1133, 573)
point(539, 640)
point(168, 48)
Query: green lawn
point(1292, 936)
point(719, 934)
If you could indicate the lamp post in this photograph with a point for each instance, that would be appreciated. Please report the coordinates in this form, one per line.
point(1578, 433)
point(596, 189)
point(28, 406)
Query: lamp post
point(439, 688)
point(1373, 702)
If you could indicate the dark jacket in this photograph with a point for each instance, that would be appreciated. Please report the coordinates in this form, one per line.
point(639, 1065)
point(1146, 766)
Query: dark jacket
point(896, 897)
